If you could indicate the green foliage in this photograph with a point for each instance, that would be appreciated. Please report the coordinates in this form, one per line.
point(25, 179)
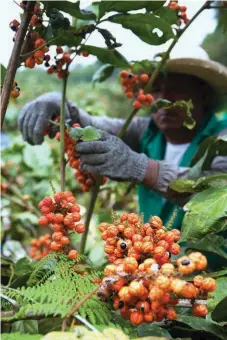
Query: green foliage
point(85, 134)
point(203, 212)
point(105, 55)
point(208, 150)
point(214, 244)
point(23, 327)
point(3, 73)
point(203, 325)
point(185, 106)
point(218, 295)
point(102, 73)
point(146, 27)
point(152, 330)
point(219, 314)
point(18, 336)
point(70, 8)
point(57, 293)
point(127, 6)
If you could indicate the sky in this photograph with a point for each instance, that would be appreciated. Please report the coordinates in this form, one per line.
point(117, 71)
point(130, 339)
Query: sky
point(132, 47)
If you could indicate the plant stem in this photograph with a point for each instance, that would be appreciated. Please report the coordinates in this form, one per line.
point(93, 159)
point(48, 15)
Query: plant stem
point(62, 131)
point(15, 57)
point(94, 195)
point(78, 305)
point(26, 55)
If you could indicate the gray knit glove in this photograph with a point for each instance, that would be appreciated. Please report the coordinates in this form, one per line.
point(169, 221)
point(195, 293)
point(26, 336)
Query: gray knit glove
point(34, 118)
point(112, 158)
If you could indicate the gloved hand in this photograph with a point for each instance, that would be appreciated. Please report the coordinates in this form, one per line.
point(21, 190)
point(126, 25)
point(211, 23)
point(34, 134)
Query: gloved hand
point(112, 158)
point(34, 117)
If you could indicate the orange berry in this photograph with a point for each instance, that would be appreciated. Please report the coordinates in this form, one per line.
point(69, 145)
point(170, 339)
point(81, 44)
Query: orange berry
point(64, 240)
point(171, 313)
point(85, 54)
point(30, 62)
point(123, 74)
point(137, 105)
point(149, 98)
point(199, 310)
point(55, 246)
point(143, 306)
point(109, 249)
point(43, 220)
point(163, 282)
point(80, 228)
point(14, 94)
point(174, 249)
point(136, 317)
point(59, 49)
point(148, 317)
point(156, 293)
point(198, 281)
point(209, 284)
point(129, 94)
point(39, 42)
point(144, 78)
point(124, 294)
point(73, 254)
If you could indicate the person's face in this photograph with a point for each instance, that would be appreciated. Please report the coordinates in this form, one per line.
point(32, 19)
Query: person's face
point(177, 87)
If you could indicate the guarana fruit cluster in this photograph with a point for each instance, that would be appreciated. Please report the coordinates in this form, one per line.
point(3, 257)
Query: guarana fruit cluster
point(85, 178)
point(181, 11)
point(63, 214)
point(133, 87)
point(40, 247)
point(141, 281)
point(15, 91)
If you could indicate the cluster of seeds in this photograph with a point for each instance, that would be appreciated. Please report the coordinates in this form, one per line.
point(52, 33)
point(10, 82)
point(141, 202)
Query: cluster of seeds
point(40, 247)
point(85, 178)
point(133, 87)
point(131, 237)
point(63, 213)
point(141, 281)
point(181, 11)
point(15, 91)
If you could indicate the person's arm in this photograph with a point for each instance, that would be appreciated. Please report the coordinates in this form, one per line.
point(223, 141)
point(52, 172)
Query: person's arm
point(160, 174)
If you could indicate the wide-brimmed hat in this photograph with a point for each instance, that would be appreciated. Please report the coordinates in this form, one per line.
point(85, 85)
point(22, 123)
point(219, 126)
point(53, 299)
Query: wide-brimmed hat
point(211, 72)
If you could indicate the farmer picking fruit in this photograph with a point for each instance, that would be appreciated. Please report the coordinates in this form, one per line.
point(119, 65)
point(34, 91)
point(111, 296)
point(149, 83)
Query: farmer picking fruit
point(156, 149)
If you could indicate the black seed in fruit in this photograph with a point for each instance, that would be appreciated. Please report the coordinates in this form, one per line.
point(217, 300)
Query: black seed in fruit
point(185, 262)
point(130, 75)
point(121, 304)
point(123, 245)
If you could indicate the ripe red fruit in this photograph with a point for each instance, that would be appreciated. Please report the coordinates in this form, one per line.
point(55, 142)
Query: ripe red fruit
point(57, 236)
point(137, 105)
point(199, 310)
point(30, 62)
point(55, 246)
point(64, 240)
point(136, 317)
point(73, 254)
point(80, 228)
point(39, 42)
point(144, 78)
point(123, 74)
point(85, 54)
point(59, 50)
point(43, 220)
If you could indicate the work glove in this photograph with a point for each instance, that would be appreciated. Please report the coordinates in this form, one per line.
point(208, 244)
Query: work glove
point(112, 158)
point(34, 118)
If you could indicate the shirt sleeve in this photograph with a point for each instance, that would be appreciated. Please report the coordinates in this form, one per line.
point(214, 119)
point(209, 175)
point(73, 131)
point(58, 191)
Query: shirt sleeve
point(169, 172)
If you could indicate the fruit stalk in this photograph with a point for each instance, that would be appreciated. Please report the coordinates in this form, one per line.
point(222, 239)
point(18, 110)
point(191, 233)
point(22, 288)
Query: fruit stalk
point(15, 57)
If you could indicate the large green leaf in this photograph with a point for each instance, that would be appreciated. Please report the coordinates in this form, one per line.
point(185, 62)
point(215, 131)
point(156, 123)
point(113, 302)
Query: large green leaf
point(67, 38)
point(146, 26)
point(203, 325)
point(18, 336)
point(104, 72)
point(71, 8)
point(219, 314)
point(203, 211)
point(38, 158)
point(126, 6)
point(212, 243)
point(182, 185)
point(210, 148)
point(23, 266)
point(149, 330)
point(3, 73)
point(26, 326)
point(215, 181)
point(85, 134)
point(105, 55)
point(167, 14)
point(219, 294)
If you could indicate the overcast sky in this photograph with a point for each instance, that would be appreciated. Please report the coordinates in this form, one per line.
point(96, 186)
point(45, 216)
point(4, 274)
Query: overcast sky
point(133, 48)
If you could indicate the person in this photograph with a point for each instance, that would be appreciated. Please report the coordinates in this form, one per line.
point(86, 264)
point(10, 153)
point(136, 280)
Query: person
point(155, 150)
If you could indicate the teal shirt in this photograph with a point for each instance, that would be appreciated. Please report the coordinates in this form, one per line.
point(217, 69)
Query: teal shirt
point(153, 145)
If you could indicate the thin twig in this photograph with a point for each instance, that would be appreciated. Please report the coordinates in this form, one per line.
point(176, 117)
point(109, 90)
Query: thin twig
point(15, 56)
point(78, 305)
point(26, 55)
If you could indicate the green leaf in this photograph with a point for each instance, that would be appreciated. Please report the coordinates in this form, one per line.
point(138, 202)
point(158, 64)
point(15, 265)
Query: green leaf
point(26, 326)
point(167, 14)
point(210, 148)
point(105, 55)
point(212, 243)
point(14, 250)
point(203, 211)
point(38, 158)
point(70, 8)
point(219, 314)
point(3, 73)
point(126, 6)
point(182, 185)
point(146, 27)
point(86, 134)
point(152, 330)
point(215, 181)
point(203, 325)
point(102, 73)
point(27, 216)
point(18, 336)
point(145, 65)
point(218, 295)
point(23, 266)
point(67, 38)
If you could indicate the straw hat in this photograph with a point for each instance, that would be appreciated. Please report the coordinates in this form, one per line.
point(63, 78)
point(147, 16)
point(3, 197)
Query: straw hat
point(210, 71)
